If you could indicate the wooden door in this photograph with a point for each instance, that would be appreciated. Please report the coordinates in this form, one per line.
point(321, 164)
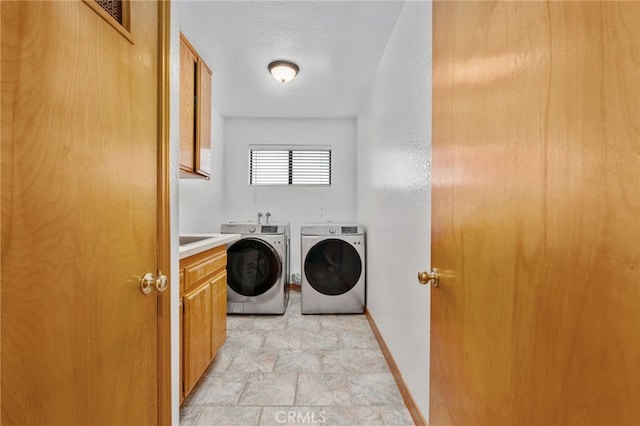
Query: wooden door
point(79, 215)
point(536, 213)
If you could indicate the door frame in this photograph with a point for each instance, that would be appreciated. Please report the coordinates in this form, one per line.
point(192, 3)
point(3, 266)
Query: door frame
point(164, 217)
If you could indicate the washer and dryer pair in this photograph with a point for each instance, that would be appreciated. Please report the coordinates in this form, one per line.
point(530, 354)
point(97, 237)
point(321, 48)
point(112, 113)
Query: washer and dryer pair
point(333, 268)
point(257, 268)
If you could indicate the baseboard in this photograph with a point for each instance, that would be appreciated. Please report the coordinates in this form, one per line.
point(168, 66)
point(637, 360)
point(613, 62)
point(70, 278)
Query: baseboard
point(294, 286)
point(415, 412)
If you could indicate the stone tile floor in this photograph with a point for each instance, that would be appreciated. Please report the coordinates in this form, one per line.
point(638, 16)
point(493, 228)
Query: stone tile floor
point(295, 369)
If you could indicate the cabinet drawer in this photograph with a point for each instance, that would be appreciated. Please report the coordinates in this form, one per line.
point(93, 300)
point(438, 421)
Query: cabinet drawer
point(194, 273)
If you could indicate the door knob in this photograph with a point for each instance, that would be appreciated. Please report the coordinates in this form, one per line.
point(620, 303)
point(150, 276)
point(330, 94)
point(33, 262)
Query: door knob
point(432, 277)
point(148, 283)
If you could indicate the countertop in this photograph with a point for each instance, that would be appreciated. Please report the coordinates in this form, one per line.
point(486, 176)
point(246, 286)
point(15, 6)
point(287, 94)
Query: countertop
point(210, 241)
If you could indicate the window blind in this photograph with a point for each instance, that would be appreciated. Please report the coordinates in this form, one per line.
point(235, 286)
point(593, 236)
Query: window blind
point(289, 166)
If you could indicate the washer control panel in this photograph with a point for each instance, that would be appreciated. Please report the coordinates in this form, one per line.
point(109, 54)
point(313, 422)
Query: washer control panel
point(254, 229)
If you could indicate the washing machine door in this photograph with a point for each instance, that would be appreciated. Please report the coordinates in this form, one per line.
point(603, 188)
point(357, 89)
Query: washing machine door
point(253, 267)
point(332, 267)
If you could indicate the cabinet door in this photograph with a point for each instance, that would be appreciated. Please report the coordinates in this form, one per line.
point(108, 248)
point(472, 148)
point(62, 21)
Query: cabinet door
point(188, 71)
point(219, 303)
point(198, 351)
point(203, 139)
point(182, 393)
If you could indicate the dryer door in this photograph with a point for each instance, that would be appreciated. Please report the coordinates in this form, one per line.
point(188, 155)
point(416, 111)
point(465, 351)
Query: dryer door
point(253, 267)
point(332, 267)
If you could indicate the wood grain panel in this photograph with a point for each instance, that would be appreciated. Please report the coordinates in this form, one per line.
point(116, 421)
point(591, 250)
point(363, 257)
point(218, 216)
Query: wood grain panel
point(196, 272)
point(164, 219)
point(203, 256)
point(204, 316)
point(219, 311)
point(203, 141)
point(202, 265)
point(181, 310)
point(79, 219)
point(536, 213)
point(188, 66)
point(197, 326)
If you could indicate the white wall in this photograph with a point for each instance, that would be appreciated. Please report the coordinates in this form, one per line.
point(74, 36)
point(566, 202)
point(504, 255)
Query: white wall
point(394, 156)
point(290, 204)
point(201, 207)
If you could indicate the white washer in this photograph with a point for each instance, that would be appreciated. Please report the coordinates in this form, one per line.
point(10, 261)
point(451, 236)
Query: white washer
point(257, 268)
point(333, 268)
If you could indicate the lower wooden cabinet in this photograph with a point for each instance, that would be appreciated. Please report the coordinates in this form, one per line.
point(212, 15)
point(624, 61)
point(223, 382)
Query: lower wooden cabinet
point(204, 313)
point(197, 332)
point(219, 305)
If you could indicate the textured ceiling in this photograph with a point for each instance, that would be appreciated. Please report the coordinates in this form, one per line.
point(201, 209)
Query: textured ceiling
point(336, 44)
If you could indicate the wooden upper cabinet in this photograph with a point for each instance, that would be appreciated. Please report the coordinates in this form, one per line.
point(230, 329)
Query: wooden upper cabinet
point(203, 139)
point(195, 113)
point(188, 69)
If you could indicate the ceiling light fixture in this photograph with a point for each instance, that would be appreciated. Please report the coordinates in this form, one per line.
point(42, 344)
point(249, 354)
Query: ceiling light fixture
point(283, 71)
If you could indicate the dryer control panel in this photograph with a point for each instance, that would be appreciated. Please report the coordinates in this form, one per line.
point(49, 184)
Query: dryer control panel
point(331, 229)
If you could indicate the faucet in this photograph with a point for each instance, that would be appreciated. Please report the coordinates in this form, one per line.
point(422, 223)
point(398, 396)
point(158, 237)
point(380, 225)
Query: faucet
point(268, 216)
point(259, 217)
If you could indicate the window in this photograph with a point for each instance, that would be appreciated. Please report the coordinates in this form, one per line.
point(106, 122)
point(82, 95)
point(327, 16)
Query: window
point(289, 166)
